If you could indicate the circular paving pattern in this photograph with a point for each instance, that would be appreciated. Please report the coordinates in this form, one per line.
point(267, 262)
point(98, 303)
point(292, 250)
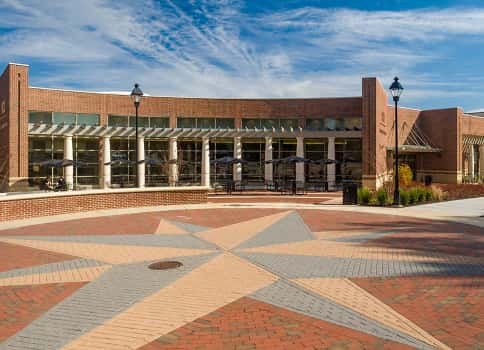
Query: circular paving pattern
point(259, 278)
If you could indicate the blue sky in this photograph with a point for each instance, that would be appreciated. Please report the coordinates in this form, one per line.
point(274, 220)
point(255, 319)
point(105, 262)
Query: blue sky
point(236, 48)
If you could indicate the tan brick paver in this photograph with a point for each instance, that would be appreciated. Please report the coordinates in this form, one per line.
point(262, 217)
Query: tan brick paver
point(167, 228)
point(347, 293)
point(356, 251)
point(231, 236)
point(112, 254)
point(63, 276)
point(209, 287)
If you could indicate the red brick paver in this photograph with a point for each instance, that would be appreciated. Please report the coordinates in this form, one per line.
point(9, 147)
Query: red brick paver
point(13, 256)
point(449, 308)
point(217, 217)
point(447, 243)
point(22, 304)
point(117, 224)
point(251, 324)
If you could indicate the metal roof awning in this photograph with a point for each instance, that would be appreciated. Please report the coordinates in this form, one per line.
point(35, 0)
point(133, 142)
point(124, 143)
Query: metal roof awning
point(414, 149)
point(110, 131)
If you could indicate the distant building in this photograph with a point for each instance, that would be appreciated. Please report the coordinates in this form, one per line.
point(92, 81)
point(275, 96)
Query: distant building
point(181, 135)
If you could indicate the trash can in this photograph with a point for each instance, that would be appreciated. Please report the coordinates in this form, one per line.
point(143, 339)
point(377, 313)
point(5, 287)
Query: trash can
point(428, 180)
point(350, 193)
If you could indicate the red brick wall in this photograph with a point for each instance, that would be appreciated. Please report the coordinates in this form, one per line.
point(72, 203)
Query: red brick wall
point(443, 128)
point(4, 134)
point(67, 101)
point(376, 124)
point(472, 125)
point(64, 204)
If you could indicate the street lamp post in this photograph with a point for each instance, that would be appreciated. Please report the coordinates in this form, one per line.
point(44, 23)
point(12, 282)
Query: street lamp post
point(396, 88)
point(136, 95)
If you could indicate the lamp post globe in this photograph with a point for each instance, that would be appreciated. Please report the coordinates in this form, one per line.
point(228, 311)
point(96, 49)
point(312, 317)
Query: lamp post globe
point(396, 89)
point(136, 95)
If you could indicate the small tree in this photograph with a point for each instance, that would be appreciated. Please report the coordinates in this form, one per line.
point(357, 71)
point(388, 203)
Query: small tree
point(405, 174)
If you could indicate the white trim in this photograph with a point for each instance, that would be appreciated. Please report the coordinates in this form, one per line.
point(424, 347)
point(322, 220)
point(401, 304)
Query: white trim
point(18, 64)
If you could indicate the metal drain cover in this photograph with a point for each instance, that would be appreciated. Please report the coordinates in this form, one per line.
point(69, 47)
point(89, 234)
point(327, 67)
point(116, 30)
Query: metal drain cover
point(165, 265)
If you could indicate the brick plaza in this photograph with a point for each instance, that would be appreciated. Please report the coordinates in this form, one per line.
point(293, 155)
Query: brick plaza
point(254, 276)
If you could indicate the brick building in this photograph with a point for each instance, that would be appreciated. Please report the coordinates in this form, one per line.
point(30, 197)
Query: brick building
point(179, 137)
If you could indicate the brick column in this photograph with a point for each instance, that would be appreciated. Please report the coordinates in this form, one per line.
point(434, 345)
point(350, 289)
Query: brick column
point(331, 168)
point(237, 176)
point(140, 162)
point(69, 155)
point(106, 182)
point(300, 153)
point(268, 173)
point(206, 162)
point(173, 153)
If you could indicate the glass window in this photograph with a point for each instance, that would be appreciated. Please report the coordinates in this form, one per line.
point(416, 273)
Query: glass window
point(186, 123)
point(158, 122)
point(189, 162)
point(64, 118)
point(206, 123)
point(253, 151)
point(288, 123)
point(314, 124)
point(225, 123)
point(143, 122)
point(117, 120)
point(40, 117)
point(269, 123)
point(352, 123)
point(251, 123)
point(87, 119)
point(330, 123)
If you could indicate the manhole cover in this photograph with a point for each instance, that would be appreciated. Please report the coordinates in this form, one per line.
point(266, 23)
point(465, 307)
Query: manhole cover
point(165, 265)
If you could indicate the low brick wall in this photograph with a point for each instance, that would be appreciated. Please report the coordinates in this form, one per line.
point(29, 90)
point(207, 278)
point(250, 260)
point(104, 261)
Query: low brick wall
point(16, 207)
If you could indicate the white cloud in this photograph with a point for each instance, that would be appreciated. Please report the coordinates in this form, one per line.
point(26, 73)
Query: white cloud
point(216, 50)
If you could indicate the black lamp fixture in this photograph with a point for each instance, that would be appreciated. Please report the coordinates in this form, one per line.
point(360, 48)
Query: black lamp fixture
point(136, 95)
point(396, 88)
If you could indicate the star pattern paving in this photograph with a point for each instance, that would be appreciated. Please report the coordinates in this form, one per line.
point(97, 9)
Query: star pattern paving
point(274, 259)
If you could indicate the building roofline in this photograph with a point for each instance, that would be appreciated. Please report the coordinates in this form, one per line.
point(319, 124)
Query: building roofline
point(18, 64)
point(127, 93)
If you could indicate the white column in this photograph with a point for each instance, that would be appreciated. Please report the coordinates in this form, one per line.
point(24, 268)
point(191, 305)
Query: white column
point(481, 161)
point(106, 183)
point(300, 166)
point(69, 154)
point(237, 176)
point(206, 162)
point(268, 174)
point(173, 152)
point(140, 162)
point(471, 163)
point(331, 168)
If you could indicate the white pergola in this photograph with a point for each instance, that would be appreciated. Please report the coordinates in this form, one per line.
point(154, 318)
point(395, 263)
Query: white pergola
point(105, 133)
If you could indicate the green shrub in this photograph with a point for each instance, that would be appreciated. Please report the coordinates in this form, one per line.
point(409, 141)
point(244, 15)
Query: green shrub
point(413, 196)
point(364, 196)
point(404, 197)
point(428, 194)
point(405, 174)
point(382, 196)
point(420, 195)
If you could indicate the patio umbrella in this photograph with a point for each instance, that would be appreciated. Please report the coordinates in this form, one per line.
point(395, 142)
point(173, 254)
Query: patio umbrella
point(150, 161)
point(228, 160)
point(119, 162)
point(57, 163)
